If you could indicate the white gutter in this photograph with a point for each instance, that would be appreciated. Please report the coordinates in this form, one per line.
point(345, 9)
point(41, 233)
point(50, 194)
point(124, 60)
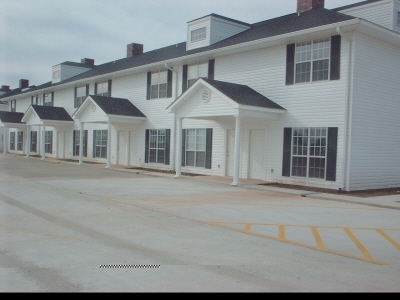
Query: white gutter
point(348, 113)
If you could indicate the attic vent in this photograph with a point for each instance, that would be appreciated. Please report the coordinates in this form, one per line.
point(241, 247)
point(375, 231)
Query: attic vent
point(206, 95)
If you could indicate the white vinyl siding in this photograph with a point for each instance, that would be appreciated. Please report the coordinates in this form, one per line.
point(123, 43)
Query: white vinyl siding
point(375, 115)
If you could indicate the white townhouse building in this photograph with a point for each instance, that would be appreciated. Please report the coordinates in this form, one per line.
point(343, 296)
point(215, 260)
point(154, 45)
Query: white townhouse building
point(310, 98)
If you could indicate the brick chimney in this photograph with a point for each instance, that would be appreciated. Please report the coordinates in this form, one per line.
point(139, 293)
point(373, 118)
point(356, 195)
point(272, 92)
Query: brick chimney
point(23, 83)
point(87, 61)
point(134, 49)
point(305, 5)
point(5, 88)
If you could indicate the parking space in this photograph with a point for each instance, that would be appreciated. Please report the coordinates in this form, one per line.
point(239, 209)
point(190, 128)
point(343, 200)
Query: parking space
point(61, 222)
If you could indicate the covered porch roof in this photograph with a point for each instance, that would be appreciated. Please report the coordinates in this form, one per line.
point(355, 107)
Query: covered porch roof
point(100, 109)
point(208, 99)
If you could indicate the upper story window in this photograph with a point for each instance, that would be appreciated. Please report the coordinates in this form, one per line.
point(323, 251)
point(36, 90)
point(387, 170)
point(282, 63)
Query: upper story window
point(35, 100)
point(198, 34)
point(13, 105)
point(56, 74)
point(103, 89)
point(398, 18)
point(80, 95)
point(159, 82)
point(196, 71)
point(48, 99)
point(312, 61)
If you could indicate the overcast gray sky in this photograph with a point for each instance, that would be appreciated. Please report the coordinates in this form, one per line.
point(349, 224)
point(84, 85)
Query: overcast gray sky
point(38, 34)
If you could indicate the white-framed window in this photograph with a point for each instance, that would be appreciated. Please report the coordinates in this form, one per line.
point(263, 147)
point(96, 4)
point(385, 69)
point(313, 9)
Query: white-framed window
point(33, 147)
point(102, 89)
point(12, 140)
point(196, 71)
point(195, 147)
point(309, 150)
point(13, 106)
point(77, 141)
point(20, 139)
point(159, 84)
point(157, 145)
point(35, 100)
point(312, 60)
point(100, 143)
point(198, 34)
point(81, 94)
point(56, 74)
point(48, 99)
point(48, 141)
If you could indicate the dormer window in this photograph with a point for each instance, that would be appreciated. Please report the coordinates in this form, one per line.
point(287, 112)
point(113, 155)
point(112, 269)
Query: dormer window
point(56, 74)
point(198, 34)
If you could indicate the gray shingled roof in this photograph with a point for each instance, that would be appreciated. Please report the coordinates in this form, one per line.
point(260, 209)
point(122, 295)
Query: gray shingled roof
point(265, 29)
point(11, 117)
point(52, 113)
point(243, 94)
point(117, 106)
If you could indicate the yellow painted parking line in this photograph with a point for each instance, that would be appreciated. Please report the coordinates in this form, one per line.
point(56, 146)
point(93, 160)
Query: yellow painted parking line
point(360, 246)
point(318, 239)
point(314, 229)
point(388, 238)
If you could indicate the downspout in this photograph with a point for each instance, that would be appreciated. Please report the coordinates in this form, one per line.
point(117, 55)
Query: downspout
point(348, 113)
point(174, 126)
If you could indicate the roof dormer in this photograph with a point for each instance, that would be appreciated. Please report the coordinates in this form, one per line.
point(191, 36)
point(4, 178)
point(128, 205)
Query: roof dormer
point(211, 29)
point(69, 69)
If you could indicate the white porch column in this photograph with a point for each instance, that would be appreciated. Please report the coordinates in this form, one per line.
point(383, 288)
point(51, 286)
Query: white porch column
point(128, 147)
point(236, 161)
point(63, 144)
point(43, 141)
point(57, 138)
point(81, 144)
point(6, 141)
point(108, 166)
point(178, 147)
point(28, 140)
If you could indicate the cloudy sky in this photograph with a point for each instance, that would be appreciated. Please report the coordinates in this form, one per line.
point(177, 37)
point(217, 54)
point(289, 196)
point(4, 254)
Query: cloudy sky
point(38, 34)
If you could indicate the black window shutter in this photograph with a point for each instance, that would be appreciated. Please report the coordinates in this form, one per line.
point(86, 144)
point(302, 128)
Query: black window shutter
point(148, 85)
point(331, 154)
point(52, 98)
point(94, 143)
point(95, 88)
point(211, 65)
point(31, 99)
point(208, 148)
point(146, 146)
point(184, 77)
point(287, 146)
point(87, 90)
point(44, 97)
point(75, 104)
point(290, 64)
point(167, 145)
point(85, 138)
point(335, 57)
point(183, 147)
point(109, 88)
point(169, 84)
point(74, 143)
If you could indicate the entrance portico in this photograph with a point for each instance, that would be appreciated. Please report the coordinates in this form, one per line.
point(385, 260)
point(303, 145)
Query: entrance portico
point(221, 101)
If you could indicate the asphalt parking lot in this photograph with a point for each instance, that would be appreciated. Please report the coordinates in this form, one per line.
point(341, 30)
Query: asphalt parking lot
point(66, 227)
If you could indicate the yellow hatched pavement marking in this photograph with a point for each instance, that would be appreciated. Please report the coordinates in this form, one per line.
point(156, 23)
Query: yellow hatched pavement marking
point(318, 239)
point(388, 238)
point(360, 246)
